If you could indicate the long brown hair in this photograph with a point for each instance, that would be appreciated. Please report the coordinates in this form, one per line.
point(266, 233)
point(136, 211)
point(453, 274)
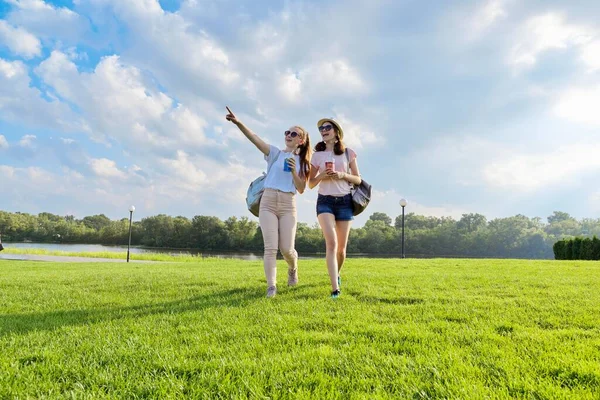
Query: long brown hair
point(338, 148)
point(304, 152)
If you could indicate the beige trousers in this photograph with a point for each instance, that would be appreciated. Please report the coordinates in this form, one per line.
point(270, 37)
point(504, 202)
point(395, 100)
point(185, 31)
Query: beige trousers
point(277, 218)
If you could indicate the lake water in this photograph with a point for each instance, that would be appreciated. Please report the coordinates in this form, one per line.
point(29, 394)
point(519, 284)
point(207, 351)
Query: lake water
point(138, 250)
point(133, 250)
point(252, 256)
point(244, 255)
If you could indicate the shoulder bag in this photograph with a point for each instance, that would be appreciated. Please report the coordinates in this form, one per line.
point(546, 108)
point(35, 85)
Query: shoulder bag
point(361, 194)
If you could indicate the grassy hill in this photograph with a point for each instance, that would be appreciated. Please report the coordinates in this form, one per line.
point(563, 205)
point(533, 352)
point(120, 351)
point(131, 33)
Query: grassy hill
point(401, 329)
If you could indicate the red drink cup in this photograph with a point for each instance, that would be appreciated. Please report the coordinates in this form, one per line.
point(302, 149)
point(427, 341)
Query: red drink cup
point(329, 165)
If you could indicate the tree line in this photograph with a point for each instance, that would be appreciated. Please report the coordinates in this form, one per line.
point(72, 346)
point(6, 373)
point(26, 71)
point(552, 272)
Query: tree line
point(425, 236)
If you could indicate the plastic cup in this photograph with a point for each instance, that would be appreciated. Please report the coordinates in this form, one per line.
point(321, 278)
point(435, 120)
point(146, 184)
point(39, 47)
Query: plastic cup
point(286, 166)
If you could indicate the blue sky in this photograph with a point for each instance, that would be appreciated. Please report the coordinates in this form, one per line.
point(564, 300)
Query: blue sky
point(471, 106)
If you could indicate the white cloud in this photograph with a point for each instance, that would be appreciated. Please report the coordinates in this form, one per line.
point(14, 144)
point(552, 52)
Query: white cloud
point(458, 159)
point(473, 162)
point(3, 142)
point(6, 172)
point(332, 78)
point(546, 32)
point(119, 102)
point(590, 55)
point(30, 5)
point(593, 201)
point(118, 88)
point(530, 172)
point(39, 176)
point(110, 191)
point(19, 41)
point(189, 125)
point(486, 15)
point(290, 87)
point(21, 102)
point(48, 21)
point(471, 23)
point(182, 55)
point(76, 55)
point(580, 105)
point(27, 141)
point(105, 168)
point(271, 40)
point(357, 135)
point(388, 202)
point(190, 177)
point(200, 175)
point(67, 140)
point(268, 58)
point(72, 175)
point(33, 189)
point(29, 181)
point(10, 70)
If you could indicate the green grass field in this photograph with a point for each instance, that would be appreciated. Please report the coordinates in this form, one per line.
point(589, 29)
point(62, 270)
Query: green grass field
point(415, 329)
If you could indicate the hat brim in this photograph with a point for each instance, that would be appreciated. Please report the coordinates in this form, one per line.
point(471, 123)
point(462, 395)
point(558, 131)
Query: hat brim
point(339, 128)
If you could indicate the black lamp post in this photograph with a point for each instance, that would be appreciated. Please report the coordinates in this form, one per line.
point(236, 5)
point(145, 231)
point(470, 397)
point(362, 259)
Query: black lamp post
point(131, 210)
point(403, 204)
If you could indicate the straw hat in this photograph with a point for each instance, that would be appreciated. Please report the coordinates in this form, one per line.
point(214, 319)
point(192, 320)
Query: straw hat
point(337, 125)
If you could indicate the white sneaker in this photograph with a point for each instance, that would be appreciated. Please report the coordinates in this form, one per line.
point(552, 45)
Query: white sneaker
point(271, 291)
point(292, 277)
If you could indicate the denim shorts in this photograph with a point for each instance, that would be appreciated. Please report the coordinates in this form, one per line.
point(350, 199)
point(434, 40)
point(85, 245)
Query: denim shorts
point(340, 207)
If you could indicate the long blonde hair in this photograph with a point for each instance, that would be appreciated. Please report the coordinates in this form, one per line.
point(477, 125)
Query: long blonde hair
point(305, 152)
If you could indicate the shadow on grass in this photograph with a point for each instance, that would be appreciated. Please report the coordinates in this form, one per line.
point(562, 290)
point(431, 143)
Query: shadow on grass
point(24, 323)
point(401, 300)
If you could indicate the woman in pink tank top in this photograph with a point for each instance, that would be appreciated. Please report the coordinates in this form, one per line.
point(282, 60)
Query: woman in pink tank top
point(334, 169)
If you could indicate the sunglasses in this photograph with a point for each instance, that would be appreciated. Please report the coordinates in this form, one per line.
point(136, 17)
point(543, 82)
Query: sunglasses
point(290, 133)
point(325, 128)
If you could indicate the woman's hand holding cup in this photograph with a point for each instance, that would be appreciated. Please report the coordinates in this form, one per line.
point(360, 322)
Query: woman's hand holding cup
point(329, 165)
point(290, 165)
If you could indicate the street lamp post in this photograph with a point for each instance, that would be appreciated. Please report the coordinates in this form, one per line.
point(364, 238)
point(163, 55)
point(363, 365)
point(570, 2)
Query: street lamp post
point(131, 210)
point(403, 204)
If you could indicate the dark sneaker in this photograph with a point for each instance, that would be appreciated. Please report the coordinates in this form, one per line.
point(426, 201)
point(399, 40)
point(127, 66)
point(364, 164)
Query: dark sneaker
point(271, 291)
point(292, 277)
point(335, 294)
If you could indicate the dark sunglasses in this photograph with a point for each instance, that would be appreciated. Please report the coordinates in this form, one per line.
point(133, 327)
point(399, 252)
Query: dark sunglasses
point(291, 133)
point(325, 128)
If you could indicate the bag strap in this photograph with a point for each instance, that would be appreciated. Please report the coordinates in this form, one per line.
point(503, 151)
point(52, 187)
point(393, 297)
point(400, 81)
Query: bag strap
point(270, 164)
point(348, 171)
point(347, 159)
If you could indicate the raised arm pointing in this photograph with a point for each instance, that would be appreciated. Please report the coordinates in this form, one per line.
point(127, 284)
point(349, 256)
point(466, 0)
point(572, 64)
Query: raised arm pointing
point(253, 137)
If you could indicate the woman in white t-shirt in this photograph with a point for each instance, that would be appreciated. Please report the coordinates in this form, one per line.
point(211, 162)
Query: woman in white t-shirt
point(277, 215)
point(335, 170)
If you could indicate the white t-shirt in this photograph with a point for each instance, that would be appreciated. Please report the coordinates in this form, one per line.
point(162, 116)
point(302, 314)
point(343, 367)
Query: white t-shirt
point(277, 178)
point(333, 187)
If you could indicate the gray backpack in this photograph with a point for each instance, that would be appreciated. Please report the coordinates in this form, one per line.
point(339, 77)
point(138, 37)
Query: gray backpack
point(256, 189)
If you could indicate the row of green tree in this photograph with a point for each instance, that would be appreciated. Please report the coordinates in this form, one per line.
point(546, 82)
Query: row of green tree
point(425, 236)
point(578, 248)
